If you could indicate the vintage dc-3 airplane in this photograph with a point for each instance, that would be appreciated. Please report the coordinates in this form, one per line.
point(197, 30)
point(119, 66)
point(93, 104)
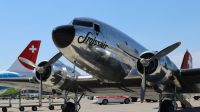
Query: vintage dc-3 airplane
point(112, 57)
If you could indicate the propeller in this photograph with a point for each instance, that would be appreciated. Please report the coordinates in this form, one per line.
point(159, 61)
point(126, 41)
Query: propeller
point(53, 59)
point(41, 70)
point(145, 63)
point(143, 87)
point(160, 54)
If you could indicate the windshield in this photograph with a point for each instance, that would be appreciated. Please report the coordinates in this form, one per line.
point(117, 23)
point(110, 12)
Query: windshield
point(82, 23)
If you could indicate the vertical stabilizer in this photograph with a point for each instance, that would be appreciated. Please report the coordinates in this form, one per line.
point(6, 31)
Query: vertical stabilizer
point(187, 61)
point(30, 53)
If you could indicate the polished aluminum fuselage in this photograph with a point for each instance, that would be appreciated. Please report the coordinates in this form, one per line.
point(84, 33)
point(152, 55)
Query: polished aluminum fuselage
point(98, 53)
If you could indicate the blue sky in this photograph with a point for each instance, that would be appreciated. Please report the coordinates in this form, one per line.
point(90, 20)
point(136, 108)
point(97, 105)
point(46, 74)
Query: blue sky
point(153, 23)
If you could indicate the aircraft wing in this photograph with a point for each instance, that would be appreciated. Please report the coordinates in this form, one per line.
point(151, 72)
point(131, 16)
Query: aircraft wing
point(190, 79)
point(22, 82)
point(190, 72)
point(129, 87)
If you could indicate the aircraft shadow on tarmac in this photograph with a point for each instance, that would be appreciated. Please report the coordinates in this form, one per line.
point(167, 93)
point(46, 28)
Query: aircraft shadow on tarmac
point(195, 109)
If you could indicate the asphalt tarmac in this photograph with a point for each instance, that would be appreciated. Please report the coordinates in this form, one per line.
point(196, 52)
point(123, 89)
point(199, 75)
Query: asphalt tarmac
point(88, 106)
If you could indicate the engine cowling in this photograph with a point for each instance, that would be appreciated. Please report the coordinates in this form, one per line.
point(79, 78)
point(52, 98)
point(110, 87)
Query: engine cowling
point(157, 72)
point(54, 76)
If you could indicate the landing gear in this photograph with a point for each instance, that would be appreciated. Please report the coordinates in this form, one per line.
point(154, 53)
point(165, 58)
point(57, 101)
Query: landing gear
point(167, 106)
point(72, 107)
point(68, 107)
point(168, 102)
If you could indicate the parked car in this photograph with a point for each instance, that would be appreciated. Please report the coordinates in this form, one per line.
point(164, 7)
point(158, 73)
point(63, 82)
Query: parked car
point(104, 100)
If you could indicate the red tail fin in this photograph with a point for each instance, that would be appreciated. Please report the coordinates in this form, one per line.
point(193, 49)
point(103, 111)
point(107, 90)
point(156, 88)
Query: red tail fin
point(187, 61)
point(30, 53)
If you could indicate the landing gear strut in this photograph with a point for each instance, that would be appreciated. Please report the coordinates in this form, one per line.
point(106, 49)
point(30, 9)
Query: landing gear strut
point(72, 107)
point(168, 105)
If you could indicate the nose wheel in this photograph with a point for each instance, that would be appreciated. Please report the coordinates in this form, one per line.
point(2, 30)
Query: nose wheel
point(168, 105)
point(70, 106)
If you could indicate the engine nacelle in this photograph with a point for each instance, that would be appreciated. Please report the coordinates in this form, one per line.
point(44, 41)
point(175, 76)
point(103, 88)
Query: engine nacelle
point(54, 76)
point(158, 72)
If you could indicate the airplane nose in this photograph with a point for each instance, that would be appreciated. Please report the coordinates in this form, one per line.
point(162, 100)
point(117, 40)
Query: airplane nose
point(63, 35)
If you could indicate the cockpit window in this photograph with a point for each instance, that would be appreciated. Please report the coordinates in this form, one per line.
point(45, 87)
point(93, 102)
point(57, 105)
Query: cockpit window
point(82, 23)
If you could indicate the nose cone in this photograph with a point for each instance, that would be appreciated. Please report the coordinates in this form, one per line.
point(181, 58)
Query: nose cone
point(63, 35)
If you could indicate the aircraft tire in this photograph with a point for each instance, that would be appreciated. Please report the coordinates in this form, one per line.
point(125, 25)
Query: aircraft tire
point(4, 109)
point(167, 106)
point(68, 107)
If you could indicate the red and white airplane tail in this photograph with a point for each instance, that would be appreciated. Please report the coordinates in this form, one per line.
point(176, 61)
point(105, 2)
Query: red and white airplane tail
point(30, 53)
point(187, 61)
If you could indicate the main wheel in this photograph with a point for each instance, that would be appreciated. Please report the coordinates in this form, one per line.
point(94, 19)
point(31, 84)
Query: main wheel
point(21, 108)
point(68, 107)
point(167, 106)
point(51, 107)
point(4, 109)
point(105, 102)
point(34, 108)
point(126, 101)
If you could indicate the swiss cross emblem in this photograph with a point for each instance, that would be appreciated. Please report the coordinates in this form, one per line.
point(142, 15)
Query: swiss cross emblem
point(32, 49)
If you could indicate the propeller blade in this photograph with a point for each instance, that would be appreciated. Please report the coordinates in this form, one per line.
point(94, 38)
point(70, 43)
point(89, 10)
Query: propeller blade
point(143, 87)
point(53, 59)
point(165, 51)
point(40, 91)
point(28, 62)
